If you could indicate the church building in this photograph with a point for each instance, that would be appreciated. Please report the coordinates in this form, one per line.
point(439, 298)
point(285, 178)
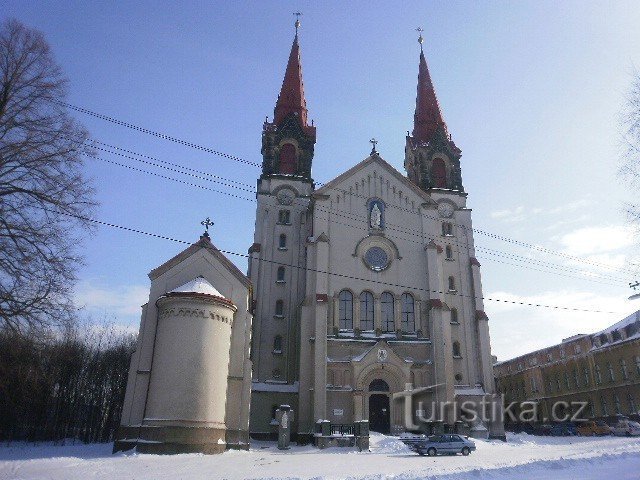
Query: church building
point(368, 285)
point(362, 301)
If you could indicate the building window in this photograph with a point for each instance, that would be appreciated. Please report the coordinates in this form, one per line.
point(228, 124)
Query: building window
point(366, 311)
point(277, 344)
point(549, 357)
point(562, 353)
point(611, 374)
point(576, 377)
point(387, 312)
point(449, 252)
point(586, 377)
point(288, 159)
point(458, 377)
point(408, 315)
point(603, 405)
point(615, 336)
point(616, 401)
point(284, 217)
point(438, 173)
point(632, 404)
point(623, 367)
point(557, 383)
point(452, 284)
point(275, 374)
point(578, 349)
point(598, 375)
point(534, 386)
point(282, 242)
point(379, 385)
point(280, 275)
point(566, 380)
point(279, 308)
point(345, 310)
point(454, 315)
point(638, 365)
point(447, 229)
point(456, 350)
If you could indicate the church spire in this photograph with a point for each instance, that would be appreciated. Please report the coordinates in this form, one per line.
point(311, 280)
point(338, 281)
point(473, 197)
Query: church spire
point(428, 117)
point(291, 98)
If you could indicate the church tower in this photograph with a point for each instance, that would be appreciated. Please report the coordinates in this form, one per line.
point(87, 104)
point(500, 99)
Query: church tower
point(432, 159)
point(278, 254)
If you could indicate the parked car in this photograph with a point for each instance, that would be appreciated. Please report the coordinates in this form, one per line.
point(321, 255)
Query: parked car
point(563, 430)
point(542, 429)
point(590, 428)
point(626, 427)
point(437, 444)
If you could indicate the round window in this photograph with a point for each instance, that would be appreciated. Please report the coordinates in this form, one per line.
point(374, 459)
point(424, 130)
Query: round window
point(376, 258)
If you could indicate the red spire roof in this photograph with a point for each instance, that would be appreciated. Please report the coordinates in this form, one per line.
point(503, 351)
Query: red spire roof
point(428, 117)
point(291, 98)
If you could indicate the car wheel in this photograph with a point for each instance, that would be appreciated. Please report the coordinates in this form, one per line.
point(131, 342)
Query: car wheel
point(431, 452)
point(466, 451)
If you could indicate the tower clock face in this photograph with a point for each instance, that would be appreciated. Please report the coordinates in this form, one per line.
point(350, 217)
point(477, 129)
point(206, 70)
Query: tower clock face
point(285, 196)
point(445, 209)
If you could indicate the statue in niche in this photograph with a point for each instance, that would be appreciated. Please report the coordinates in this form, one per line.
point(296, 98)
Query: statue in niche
point(376, 217)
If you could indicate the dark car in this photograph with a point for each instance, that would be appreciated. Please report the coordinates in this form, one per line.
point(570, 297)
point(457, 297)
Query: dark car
point(563, 430)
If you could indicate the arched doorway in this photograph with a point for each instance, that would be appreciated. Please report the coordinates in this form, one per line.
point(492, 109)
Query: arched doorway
point(379, 408)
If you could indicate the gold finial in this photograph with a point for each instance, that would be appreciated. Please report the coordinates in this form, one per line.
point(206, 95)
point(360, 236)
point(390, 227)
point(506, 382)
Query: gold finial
point(420, 39)
point(297, 24)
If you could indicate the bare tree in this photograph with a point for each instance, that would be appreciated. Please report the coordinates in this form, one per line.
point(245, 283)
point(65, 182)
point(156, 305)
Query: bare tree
point(42, 188)
point(630, 169)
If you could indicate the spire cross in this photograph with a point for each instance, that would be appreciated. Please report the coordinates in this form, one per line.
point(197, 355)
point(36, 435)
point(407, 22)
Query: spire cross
point(373, 142)
point(297, 24)
point(206, 224)
point(420, 39)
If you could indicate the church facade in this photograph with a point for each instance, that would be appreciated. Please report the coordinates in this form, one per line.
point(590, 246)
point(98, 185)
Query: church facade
point(367, 288)
point(362, 301)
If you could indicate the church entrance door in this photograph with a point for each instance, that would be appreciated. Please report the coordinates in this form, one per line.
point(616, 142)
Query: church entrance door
point(379, 413)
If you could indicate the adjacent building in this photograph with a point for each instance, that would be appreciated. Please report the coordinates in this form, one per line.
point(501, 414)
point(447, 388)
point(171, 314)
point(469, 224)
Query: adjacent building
point(601, 370)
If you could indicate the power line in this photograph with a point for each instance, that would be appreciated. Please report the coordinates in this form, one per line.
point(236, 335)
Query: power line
point(241, 160)
point(228, 252)
point(359, 218)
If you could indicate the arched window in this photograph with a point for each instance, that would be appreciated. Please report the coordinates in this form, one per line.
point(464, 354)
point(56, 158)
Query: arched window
point(623, 367)
point(387, 312)
point(279, 308)
point(408, 314)
point(276, 374)
point(288, 159)
point(449, 252)
point(456, 349)
point(447, 229)
point(277, 344)
point(438, 173)
point(452, 284)
point(366, 311)
point(378, 385)
point(280, 275)
point(454, 315)
point(345, 310)
point(284, 217)
point(282, 242)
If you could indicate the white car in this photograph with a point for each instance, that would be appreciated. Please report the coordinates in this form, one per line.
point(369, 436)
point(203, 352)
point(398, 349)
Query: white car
point(626, 428)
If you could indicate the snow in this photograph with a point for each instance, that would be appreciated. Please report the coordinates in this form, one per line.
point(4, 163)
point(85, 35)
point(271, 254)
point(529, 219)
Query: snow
point(198, 285)
point(523, 457)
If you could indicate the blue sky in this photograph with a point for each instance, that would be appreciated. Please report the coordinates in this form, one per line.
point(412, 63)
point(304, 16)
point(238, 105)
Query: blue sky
point(531, 92)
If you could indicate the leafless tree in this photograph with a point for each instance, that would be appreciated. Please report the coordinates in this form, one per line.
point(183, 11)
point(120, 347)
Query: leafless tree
point(42, 187)
point(630, 169)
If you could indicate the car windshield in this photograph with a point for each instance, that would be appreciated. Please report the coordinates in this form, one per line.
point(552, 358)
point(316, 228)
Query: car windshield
point(435, 438)
point(634, 424)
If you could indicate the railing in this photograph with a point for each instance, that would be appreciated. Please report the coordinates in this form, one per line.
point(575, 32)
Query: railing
point(341, 429)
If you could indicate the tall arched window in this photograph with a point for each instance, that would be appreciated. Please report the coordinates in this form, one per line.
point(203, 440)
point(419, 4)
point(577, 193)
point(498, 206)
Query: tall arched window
point(288, 159)
point(456, 349)
point(438, 173)
point(408, 314)
point(279, 308)
point(452, 283)
point(345, 310)
point(366, 311)
point(277, 344)
point(454, 315)
point(449, 252)
point(386, 301)
point(282, 241)
point(280, 275)
point(379, 385)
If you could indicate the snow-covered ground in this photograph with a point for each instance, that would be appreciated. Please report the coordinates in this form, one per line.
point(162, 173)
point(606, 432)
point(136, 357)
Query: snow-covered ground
point(523, 457)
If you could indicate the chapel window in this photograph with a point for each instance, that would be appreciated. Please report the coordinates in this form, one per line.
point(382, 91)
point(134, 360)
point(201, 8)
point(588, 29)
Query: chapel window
point(387, 312)
point(284, 217)
point(279, 308)
point(623, 367)
point(439, 173)
point(408, 314)
point(277, 344)
point(345, 310)
point(456, 349)
point(288, 159)
point(280, 275)
point(366, 311)
point(452, 284)
point(449, 252)
point(447, 229)
point(282, 242)
point(454, 315)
